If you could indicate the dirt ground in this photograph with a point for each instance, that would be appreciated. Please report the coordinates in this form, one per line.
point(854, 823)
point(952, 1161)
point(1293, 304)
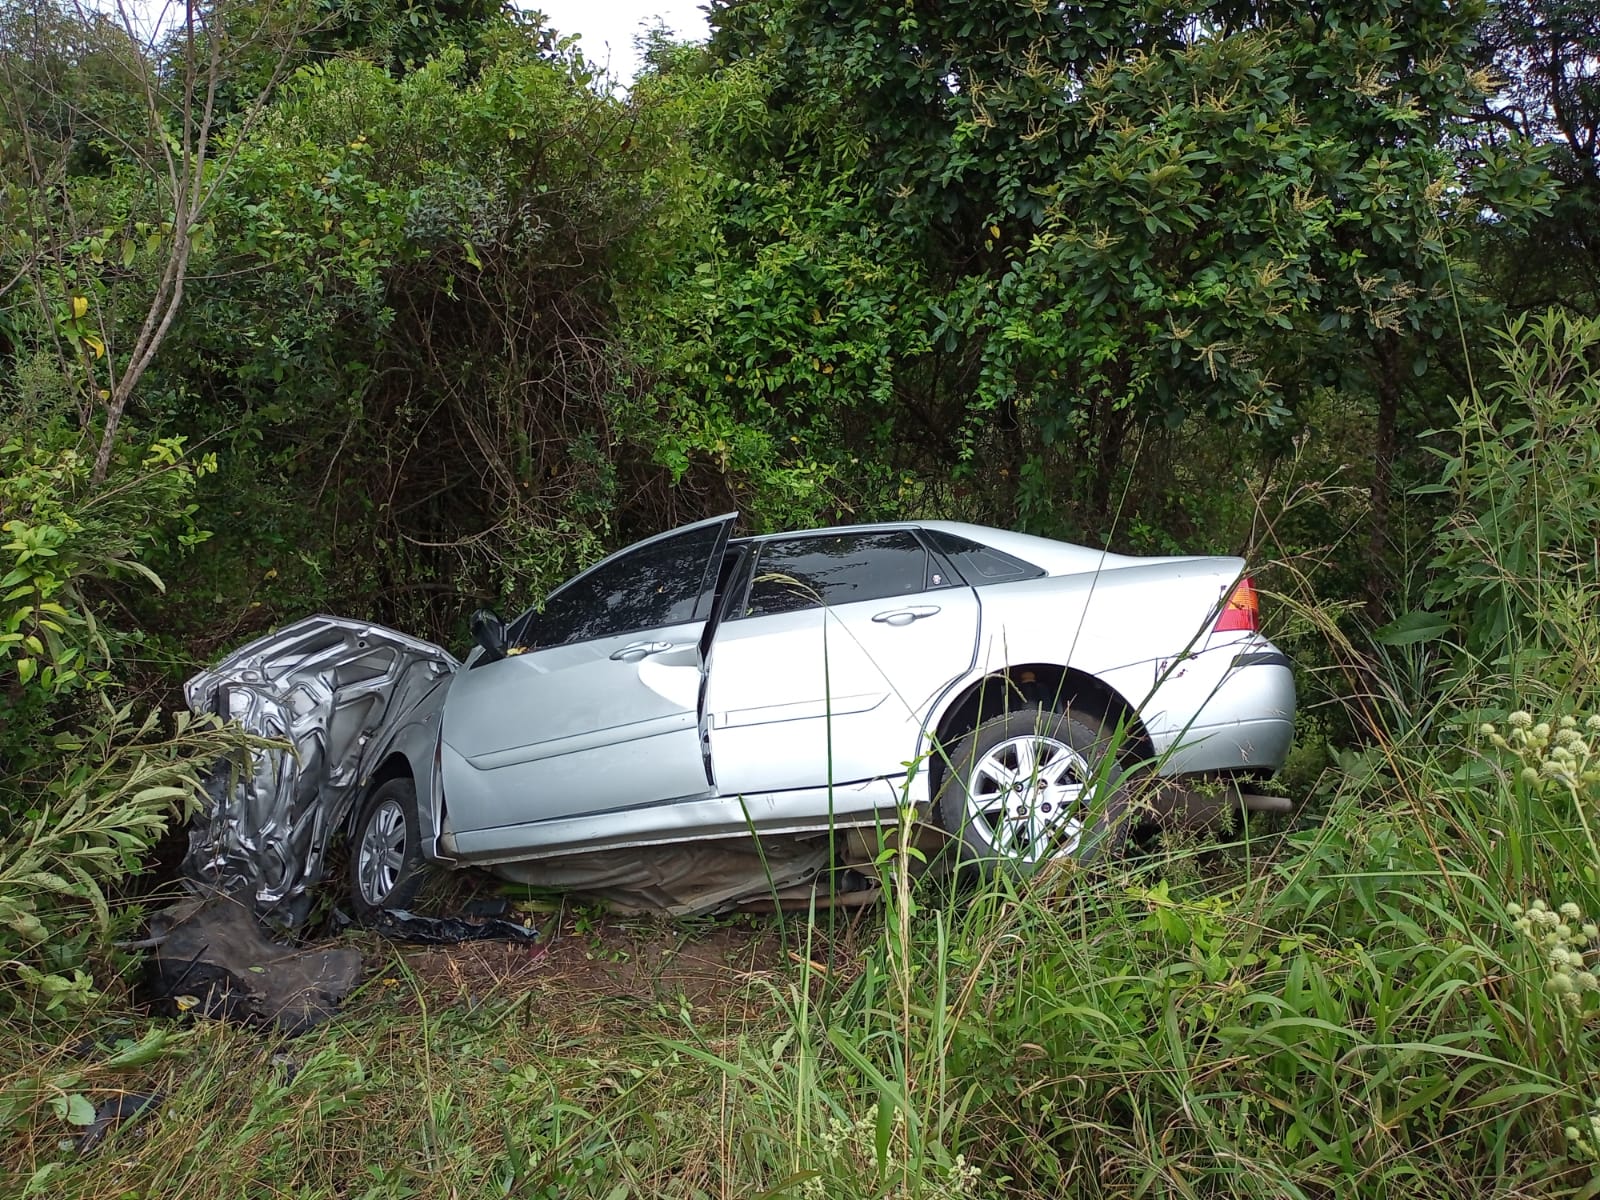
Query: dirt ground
point(596, 960)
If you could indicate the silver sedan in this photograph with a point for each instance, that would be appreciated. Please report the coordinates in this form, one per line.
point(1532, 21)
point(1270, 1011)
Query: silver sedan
point(701, 720)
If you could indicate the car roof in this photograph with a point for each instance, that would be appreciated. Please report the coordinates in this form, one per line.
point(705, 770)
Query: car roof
point(1057, 558)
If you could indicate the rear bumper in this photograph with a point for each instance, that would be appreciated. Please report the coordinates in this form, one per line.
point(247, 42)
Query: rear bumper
point(1243, 698)
point(1260, 745)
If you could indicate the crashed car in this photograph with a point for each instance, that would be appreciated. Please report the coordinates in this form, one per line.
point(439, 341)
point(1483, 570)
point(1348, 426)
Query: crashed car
point(702, 719)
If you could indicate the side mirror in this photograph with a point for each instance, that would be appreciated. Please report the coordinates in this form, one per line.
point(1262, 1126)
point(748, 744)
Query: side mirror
point(489, 631)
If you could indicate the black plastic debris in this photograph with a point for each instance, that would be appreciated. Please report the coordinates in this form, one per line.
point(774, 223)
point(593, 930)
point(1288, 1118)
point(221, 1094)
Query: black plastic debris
point(112, 1112)
point(401, 926)
point(212, 958)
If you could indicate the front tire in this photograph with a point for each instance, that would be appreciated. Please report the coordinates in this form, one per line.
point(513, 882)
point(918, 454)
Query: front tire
point(386, 864)
point(1030, 786)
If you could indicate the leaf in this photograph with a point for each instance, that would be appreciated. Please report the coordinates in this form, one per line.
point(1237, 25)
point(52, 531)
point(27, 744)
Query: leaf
point(883, 1133)
point(50, 882)
point(94, 343)
point(152, 1046)
point(472, 255)
point(73, 1108)
point(130, 564)
point(80, 305)
point(1415, 626)
point(159, 792)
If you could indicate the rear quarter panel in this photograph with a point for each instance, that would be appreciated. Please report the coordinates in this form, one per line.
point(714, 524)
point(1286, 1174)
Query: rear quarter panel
point(1128, 626)
point(1105, 621)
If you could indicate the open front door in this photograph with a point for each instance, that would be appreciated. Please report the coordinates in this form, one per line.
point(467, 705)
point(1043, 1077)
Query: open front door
point(597, 707)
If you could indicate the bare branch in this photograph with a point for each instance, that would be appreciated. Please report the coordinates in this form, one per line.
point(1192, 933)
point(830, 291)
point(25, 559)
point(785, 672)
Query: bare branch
point(190, 192)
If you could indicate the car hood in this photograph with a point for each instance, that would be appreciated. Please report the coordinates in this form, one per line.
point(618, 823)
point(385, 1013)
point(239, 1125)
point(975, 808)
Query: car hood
point(325, 690)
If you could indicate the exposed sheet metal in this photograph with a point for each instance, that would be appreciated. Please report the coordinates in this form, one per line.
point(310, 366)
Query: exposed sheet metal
point(683, 879)
point(324, 686)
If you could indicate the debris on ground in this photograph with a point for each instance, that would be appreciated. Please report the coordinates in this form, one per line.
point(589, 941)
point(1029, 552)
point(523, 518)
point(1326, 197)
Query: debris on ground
point(113, 1112)
point(400, 926)
point(213, 958)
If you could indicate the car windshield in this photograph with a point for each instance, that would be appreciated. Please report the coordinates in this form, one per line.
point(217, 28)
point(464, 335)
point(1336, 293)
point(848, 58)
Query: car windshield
point(651, 585)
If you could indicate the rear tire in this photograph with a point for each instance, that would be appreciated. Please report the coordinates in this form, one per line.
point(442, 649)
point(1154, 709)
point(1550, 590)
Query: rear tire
point(387, 869)
point(1030, 786)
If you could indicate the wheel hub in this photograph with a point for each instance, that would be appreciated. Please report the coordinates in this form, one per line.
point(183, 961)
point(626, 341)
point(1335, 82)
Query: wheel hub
point(1025, 797)
point(382, 852)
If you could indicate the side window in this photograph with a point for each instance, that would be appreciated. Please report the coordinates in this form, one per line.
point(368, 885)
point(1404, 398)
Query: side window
point(980, 564)
point(796, 573)
point(658, 584)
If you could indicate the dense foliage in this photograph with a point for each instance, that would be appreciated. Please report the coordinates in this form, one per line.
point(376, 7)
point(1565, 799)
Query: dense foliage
point(394, 309)
point(455, 320)
point(1122, 222)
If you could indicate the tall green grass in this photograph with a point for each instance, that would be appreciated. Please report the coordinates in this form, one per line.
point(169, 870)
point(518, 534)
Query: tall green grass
point(1350, 1014)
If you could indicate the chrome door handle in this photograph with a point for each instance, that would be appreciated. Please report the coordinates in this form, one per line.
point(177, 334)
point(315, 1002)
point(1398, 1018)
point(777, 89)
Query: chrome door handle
point(634, 651)
point(904, 616)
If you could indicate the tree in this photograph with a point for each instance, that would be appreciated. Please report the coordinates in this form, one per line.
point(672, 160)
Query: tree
point(1130, 216)
point(1548, 51)
point(402, 35)
point(161, 164)
point(402, 340)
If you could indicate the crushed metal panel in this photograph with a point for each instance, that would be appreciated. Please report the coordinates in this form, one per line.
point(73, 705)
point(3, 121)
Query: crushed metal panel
point(328, 688)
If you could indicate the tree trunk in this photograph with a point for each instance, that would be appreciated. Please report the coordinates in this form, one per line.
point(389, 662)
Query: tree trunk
point(1111, 431)
point(1387, 379)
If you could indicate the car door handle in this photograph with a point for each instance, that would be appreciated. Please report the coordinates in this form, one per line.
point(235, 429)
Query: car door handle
point(904, 616)
point(634, 651)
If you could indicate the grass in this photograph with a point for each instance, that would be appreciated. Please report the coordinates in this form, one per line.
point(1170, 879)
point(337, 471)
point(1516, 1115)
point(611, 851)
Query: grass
point(450, 1073)
point(1340, 1010)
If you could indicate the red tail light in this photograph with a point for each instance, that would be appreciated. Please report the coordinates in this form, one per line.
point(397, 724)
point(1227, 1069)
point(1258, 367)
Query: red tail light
point(1242, 609)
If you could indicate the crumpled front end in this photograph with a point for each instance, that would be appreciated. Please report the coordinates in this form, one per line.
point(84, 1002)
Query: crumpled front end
point(327, 689)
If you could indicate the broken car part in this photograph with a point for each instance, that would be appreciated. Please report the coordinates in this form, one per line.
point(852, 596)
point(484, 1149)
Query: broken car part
point(400, 926)
point(327, 689)
point(212, 958)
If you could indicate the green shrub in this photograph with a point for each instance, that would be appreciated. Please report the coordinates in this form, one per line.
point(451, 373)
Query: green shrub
point(62, 538)
point(1517, 567)
point(86, 788)
point(87, 827)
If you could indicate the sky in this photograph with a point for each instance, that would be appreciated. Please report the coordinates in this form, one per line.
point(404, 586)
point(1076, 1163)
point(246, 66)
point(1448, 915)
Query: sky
point(607, 27)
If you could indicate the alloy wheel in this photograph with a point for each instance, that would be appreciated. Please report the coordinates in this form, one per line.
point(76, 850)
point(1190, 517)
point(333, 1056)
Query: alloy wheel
point(382, 852)
point(1026, 797)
